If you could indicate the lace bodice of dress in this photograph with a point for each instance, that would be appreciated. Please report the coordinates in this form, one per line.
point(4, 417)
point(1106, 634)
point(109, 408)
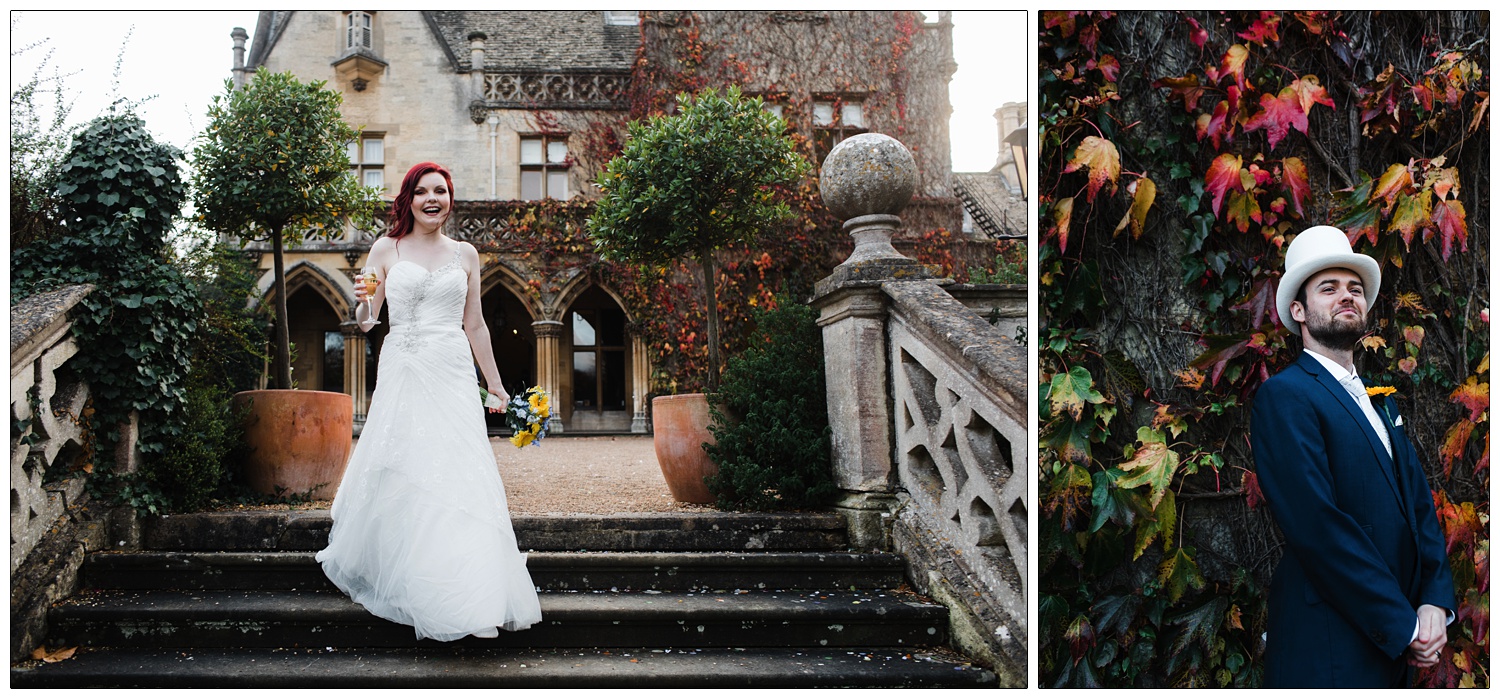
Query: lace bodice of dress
point(424, 301)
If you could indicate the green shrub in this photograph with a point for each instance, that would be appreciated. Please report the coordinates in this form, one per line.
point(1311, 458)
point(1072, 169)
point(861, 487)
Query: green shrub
point(770, 417)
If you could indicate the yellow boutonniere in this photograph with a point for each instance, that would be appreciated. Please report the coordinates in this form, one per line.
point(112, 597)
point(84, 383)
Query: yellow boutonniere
point(1373, 391)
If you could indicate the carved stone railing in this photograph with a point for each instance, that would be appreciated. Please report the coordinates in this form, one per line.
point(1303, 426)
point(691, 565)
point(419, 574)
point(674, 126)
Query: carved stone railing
point(514, 90)
point(927, 410)
point(52, 523)
point(492, 226)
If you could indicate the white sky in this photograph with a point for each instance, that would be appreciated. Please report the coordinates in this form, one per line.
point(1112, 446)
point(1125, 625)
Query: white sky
point(183, 59)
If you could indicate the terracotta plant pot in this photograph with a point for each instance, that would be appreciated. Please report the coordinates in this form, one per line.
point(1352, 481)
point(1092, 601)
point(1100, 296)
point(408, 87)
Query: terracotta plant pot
point(681, 426)
point(298, 440)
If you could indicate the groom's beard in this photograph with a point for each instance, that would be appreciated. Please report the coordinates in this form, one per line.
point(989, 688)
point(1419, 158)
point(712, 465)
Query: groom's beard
point(1335, 331)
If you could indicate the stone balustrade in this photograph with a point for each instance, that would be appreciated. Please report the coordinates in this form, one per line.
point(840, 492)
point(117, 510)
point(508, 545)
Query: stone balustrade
point(52, 524)
point(927, 409)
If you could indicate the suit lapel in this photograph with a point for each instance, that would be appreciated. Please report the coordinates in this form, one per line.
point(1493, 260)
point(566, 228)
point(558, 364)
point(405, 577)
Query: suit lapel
point(1341, 395)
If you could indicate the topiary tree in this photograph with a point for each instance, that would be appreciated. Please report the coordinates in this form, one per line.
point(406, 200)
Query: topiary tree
point(693, 182)
point(272, 165)
point(770, 421)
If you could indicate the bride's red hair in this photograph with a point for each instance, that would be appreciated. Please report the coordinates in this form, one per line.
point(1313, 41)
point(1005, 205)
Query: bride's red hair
point(401, 219)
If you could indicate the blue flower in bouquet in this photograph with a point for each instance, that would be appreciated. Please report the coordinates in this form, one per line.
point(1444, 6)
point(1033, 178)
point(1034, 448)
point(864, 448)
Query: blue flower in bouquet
point(526, 415)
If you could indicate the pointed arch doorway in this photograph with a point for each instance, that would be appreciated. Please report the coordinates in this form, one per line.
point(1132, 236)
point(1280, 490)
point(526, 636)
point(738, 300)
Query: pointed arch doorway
point(513, 341)
point(600, 376)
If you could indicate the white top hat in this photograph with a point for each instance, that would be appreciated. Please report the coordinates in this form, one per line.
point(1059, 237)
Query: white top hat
point(1312, 251)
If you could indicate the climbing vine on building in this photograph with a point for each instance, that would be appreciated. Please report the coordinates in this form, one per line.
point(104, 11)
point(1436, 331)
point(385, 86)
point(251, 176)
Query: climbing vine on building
point(1179, 153)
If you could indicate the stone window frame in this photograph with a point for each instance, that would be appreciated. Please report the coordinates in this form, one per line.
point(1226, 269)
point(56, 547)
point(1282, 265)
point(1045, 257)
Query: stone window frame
point(359, 165)
point(546, 166)
point(594, 318)
point(350, 27)
point(622, 18)
point(836, 128)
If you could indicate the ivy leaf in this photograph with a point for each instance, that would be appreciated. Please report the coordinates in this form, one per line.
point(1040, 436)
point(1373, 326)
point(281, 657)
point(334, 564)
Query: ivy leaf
point(1069, 392)
point(1071, 440)
point(1263, 29)
point(1062, 216)
point(1080, 636)
point(1395, 179)
point(1145, 194)
point(1454, 445)
point(1178, 572)
point(1163, 523)
point(1216, 127)
point(1185, 88)
point(1309, 90)
point(1261, 303)
point(1277, 115)
point(1441, 180)
point(1154, 464)
point(1116, 613)
point(1232, 64)
point(1111, 503)
point(1448, 215)
point(1473, 395)
point(1200, 625)
point(1198, 35)
point(1362, 220)
point(1294, 176)
point(1101, 158)
point(1110, 67)
point(1411, 214)
point(1223, 173)
point(1243, 208)
point(1254, 497)
point(1066, 494)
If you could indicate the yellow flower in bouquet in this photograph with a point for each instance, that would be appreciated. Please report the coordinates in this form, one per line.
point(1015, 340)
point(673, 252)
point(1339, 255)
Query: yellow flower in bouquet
point(526, 415)
point(523, 437)
point(1379, 390)
point(540, 403)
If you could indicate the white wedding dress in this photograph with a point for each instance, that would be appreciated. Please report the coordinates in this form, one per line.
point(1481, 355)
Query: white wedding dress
point(421, 532)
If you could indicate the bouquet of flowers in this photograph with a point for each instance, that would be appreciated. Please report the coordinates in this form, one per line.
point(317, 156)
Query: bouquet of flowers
point(526, 415)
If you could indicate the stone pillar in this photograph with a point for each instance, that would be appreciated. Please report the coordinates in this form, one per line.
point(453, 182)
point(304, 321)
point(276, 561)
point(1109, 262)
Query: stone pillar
point(867, 179)
point(640, 384)
point(548, 364)
point(354, 371)
point(476, 64)
point(239, 37)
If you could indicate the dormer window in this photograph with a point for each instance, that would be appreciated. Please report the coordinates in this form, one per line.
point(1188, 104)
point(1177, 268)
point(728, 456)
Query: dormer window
point(622, 18)
point(359, 33)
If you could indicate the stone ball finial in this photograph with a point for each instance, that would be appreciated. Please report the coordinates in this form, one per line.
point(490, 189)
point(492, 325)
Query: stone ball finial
point(868, 174)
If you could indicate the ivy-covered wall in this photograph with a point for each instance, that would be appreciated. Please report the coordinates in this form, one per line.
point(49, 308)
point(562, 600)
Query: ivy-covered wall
point(1179, 152)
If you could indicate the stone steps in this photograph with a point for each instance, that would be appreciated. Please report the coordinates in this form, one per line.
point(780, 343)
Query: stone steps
point(550, 570)
point(681, 600)
point(286, 619)
point(307, 530)
point(409, 668)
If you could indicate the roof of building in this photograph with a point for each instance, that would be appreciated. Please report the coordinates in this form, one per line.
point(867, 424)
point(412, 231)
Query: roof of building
point(516, 41)
point(996, 210)
point(539, 41)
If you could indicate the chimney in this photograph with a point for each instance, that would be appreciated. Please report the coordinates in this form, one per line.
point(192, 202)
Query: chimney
point(239, 37)
point(476, 63)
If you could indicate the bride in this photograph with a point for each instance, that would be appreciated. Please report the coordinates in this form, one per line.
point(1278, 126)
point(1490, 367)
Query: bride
point(421, 532)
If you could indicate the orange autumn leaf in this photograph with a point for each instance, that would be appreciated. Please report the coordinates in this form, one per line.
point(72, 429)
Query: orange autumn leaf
point(1454, 445)
point(1101, 158)
point(1243, 208)
point(1062, 215)
point(1264, 29)
point(1412, 213)
point(1372, 342)
point(1233, 64)
point(55, 656)
point(1441, 180)
point(1191, 378)
point(1472, 395)
point(1395, 179)
point(1186, 88)
point(1218, 126)
point(1310, 91)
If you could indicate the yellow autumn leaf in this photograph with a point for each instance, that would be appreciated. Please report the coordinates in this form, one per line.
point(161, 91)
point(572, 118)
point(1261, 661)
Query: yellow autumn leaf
point(1101, 158)
point(1145, 195)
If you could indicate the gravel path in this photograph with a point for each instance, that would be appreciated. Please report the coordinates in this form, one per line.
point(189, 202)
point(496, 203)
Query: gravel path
point(585, 475)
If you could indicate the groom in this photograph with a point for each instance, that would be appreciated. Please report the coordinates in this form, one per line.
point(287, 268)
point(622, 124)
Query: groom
point(1364, 589)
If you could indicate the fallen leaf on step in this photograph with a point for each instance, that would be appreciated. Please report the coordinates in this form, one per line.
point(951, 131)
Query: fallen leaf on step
point(56, 656)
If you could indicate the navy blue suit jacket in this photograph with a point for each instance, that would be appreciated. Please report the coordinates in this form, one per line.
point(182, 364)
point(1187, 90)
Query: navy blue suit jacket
point(1363, 546)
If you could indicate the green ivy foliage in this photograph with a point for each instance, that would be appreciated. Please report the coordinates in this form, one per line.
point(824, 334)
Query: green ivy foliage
point(770, 418)
point(136, 330)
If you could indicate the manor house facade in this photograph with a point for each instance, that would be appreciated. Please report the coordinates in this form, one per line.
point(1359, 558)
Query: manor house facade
point(524, 108)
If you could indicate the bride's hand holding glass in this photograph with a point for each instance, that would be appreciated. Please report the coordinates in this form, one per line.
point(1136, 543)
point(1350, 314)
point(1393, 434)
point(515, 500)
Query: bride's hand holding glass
point(365, 284)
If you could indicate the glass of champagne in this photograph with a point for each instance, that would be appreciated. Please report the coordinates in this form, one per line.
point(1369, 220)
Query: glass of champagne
point(370, 277)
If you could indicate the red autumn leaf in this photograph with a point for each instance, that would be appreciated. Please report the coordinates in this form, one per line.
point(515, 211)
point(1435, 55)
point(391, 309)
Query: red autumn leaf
point(1443, 675)
point(1395, 179)
point(1243, 208)
point(1102, 160)
point(1294, 176)
point(1441, 180)
point(1231, 64)
point(1448, 216)
point(1110, 67)
point(1198, 35)
point(1422, 92)
point(1412, 213)
point(1223, 173)
point(1316, 22)
point(1216, 126)
point(1233, 91)
point(1407, 365)
point(1484, 459)
point(1261, 303)
point(1414, 334)
point(1454, 445)
point(1062, 20)
point(1088, 37)
point(1277, 115)
point(1379, 103)
point(1263, 29)
point(1472, 395)
point(1186, 88)
point(1310, 91)
point(1253, 496)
